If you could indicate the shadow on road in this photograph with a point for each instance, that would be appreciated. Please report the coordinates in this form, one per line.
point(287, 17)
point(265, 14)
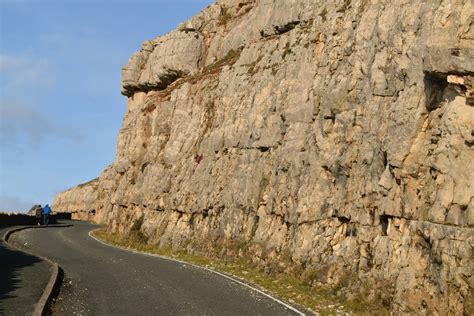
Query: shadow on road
point(12, 261)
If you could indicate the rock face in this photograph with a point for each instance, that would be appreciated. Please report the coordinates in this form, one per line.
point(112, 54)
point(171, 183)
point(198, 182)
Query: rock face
point(80, 201)
point(328, 135)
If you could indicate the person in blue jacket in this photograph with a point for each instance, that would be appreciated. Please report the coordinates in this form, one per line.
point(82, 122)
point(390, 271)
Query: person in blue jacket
point(46, 213)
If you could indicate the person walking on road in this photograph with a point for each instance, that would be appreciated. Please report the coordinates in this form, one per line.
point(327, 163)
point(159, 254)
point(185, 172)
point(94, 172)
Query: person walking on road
point(46, 213)
point(38, 214)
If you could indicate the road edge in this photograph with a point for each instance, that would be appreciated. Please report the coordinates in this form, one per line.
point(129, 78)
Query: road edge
point(233, 279)
point(40, 306)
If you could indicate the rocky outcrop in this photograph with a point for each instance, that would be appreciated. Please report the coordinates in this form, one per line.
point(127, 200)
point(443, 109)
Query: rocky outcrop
point(79, 201)
point(335, 136)
point(153, 68)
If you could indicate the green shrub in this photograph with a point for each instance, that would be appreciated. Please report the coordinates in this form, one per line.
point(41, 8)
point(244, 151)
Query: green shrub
point(229, 58)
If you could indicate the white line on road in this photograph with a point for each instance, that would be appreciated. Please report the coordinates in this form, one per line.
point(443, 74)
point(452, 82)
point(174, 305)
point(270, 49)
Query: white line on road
point(200, 267)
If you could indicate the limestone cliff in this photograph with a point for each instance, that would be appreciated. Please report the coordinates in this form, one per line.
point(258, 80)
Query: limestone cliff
point(80, 201)
point(329, 135)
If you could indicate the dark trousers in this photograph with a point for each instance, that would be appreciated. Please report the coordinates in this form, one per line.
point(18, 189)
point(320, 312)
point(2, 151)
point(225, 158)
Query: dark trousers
point(45, 219)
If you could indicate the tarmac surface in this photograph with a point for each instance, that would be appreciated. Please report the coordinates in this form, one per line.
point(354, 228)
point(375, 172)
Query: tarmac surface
point(23, 278)
point(103, 280)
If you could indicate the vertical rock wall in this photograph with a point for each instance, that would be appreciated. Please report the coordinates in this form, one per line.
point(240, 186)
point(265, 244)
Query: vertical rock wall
point(335, 136)
point(80, 201)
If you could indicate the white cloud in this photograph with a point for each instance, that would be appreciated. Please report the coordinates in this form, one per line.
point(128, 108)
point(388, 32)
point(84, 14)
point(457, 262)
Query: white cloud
point(10, 203)
point(22, 74)
point(22, 124)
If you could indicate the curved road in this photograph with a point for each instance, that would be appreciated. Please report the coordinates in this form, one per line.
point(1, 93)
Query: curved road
point(103, 280)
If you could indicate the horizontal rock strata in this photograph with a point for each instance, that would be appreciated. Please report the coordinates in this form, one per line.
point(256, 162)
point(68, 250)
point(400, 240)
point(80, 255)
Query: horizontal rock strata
point(328, 135)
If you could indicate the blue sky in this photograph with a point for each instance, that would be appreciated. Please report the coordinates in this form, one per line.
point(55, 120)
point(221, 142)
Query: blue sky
point(60, 102)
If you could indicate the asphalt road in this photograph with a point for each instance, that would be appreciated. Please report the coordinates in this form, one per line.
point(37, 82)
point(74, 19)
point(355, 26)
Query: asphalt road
point(23, 278)
point(103, 280)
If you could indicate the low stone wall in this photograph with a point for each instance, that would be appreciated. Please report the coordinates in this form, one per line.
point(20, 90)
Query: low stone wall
point(63, 215)
point(11, 219)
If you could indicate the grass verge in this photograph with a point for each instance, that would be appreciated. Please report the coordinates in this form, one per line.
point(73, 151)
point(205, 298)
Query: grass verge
point(295, 289)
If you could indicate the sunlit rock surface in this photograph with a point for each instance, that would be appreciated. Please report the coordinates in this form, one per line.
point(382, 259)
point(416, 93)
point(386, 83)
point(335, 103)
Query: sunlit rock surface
point(327, 135)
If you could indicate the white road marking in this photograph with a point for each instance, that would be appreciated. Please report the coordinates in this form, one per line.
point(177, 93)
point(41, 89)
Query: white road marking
point(200, 267)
